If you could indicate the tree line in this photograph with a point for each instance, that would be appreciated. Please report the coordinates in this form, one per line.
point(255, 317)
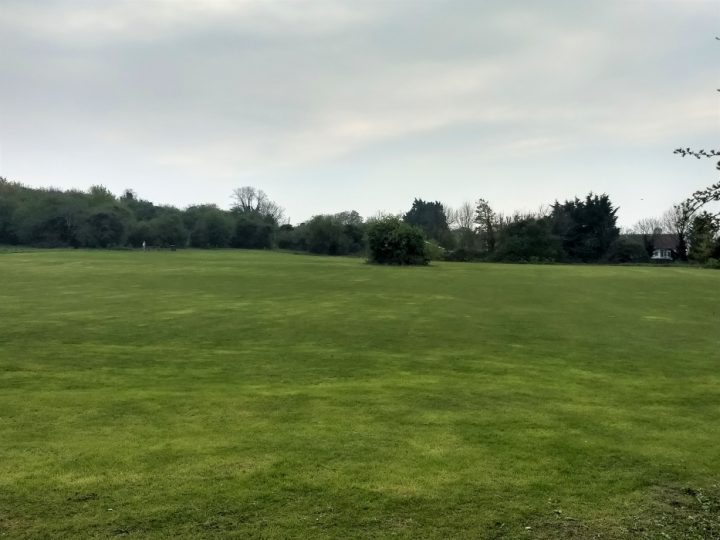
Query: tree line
point(576, 230)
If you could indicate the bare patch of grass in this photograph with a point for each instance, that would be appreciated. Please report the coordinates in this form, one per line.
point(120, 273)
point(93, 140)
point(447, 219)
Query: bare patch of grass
point(670, 513)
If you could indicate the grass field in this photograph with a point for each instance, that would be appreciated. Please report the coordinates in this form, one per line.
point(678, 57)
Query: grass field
point(206, 394)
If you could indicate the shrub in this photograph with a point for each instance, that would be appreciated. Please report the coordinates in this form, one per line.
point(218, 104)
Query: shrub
point(392, 241)
point(289, 237)
point(329, 234)
point(325, 235)
point(209, 227)
point(528, 239)
point(103, 228)
point(254, 231)
point(167, 229)
point(627, 250)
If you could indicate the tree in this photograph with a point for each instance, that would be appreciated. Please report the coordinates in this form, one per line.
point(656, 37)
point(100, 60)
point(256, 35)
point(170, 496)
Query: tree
point(8, 206)
point(250, 200)
point(349, 217)
point(141, 209)
point(628, 250)
point(7, 225)
point(703, 196)
point(289, 237)
point(680, 217)
point(325, 234)
point(587, 227)
point(254, 231)
point(100, 196)
point(212, 230)
point(353, 229)
point(677, 220)
point(486, 221)
point(648, 229)
point(128, 195)
point(141, 231)
point(462, 217)
point(703, 237)
point(167, 229)
point(394, 241)
point(50, 218)
point(686, 210)
point(103, 228)
point(431, 218)
point(330, 234)
point(209, 226)
point(528, 238)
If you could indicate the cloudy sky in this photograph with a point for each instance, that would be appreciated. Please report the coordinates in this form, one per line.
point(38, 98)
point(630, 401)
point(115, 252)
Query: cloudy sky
point(330, 105)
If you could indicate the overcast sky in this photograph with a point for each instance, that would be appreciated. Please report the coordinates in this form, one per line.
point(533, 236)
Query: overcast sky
point(331, 105)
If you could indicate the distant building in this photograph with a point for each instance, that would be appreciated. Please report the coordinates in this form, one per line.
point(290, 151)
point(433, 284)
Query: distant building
point(664, 246)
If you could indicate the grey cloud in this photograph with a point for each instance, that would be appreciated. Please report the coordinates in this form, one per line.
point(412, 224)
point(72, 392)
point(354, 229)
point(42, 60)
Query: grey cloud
point(270, 90)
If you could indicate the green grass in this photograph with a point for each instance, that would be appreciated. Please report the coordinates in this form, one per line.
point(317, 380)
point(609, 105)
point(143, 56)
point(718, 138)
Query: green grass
point(207, 394)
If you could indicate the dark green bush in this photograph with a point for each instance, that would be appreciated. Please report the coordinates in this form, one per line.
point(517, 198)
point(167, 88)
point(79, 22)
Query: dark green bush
point(392, 241)
point(254, 231)
point(627, 250)
point(528, 239)
point(325, 235)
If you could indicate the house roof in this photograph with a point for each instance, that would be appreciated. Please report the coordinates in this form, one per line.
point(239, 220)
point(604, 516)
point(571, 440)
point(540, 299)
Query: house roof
point(661, 241)
point(666, 241)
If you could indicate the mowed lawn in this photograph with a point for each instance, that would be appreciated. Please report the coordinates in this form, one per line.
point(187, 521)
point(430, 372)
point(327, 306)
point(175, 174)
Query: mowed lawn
point(216, 394)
